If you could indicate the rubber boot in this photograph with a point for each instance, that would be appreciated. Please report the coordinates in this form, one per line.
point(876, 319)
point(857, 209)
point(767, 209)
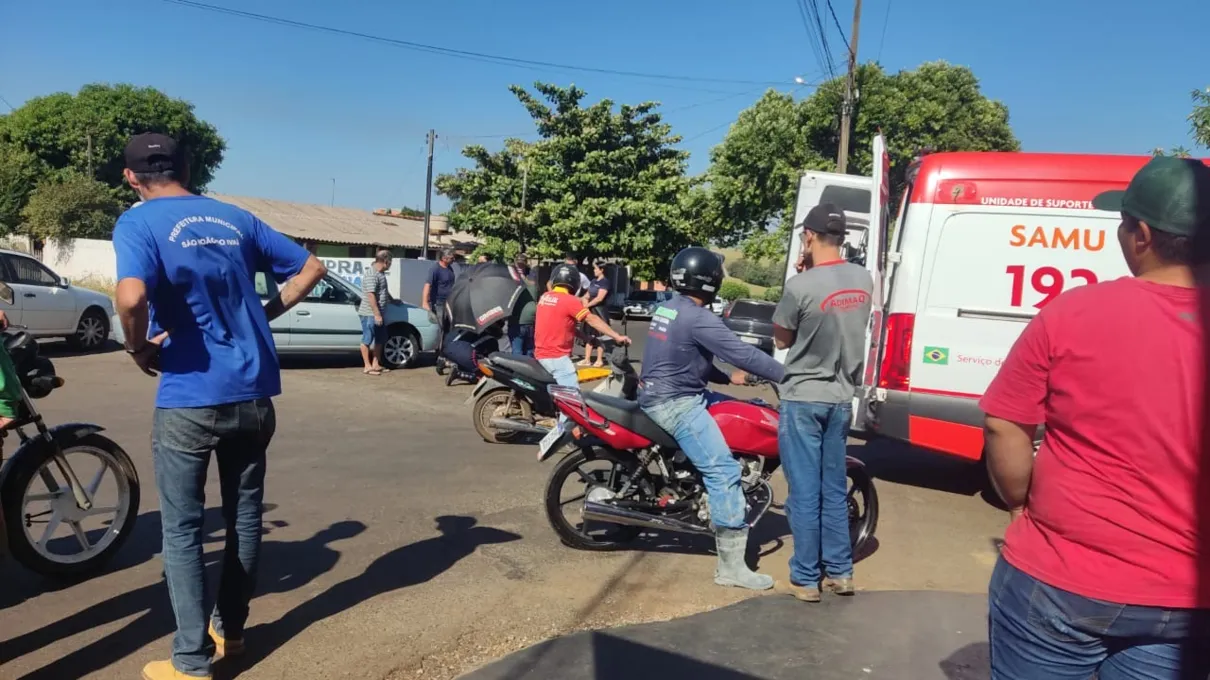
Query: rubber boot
point(732, 570)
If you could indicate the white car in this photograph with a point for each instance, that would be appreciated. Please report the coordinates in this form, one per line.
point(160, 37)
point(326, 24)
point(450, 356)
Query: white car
point(326, 322)
point(50, 307)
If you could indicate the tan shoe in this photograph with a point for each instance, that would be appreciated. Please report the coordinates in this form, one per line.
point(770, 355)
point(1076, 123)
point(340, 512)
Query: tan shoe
point(805, 593)
point(224, 647)
point(840, 586)
point(164, 670)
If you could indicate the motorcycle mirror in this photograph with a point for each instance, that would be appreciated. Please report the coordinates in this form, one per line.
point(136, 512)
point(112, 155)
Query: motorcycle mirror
point(6, 294)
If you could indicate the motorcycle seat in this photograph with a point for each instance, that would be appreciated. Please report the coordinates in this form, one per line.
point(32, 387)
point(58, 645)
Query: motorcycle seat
point(631, 416)
point(524, 367)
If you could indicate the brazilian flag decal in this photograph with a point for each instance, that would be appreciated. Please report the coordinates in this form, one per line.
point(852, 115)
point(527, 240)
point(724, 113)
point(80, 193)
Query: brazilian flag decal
point(939, 356)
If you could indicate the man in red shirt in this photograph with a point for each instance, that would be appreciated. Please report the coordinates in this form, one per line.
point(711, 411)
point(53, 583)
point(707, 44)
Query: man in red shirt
point(1100, 570)
point(555, 324)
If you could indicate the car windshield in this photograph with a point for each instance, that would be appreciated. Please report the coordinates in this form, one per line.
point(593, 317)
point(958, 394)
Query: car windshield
point(749, 309)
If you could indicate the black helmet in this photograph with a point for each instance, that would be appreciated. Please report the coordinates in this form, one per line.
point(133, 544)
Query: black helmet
point(697, 271)
point(565, 275)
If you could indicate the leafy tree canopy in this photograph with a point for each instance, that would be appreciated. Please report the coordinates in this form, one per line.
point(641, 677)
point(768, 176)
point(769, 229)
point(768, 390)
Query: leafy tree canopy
point(86, 133)
point(600, 181)
point(1199, 120)
point(752, 183)
point(71, 205)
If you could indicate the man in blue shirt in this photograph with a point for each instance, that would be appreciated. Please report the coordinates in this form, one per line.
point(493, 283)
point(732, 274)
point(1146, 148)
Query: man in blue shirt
point(186, 270)
point(436, 289)
point(678, 361)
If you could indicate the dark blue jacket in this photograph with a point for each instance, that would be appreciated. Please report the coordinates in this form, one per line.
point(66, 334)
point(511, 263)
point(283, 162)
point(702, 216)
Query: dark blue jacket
point(683, 341)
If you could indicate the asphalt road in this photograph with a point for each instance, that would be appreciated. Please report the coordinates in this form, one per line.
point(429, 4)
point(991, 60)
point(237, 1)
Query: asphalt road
point(399, 545)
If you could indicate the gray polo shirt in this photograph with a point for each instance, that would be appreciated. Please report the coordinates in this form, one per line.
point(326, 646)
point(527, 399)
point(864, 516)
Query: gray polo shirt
point(828, 307)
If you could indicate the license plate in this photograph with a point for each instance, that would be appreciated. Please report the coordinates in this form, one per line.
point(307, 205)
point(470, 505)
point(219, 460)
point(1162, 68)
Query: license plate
point(750, 341)
point(549, 441)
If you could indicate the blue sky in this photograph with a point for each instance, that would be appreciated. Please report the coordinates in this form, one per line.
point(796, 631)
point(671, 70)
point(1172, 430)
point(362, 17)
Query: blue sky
point(299, 108)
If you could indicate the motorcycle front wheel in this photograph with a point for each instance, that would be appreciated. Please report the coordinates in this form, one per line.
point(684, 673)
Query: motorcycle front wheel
point(500, 403)
point(862, 503)
point(594, 478)
point(48, 532)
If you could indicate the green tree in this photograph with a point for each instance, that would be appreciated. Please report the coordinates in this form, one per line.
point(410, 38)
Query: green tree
point(734, 290)
point(601, 181)
point(773, 294)
point(87, 132)
point(411, 213)
point(20, 171)
point(1199, 120)
point(752, 184)
point(71, 205)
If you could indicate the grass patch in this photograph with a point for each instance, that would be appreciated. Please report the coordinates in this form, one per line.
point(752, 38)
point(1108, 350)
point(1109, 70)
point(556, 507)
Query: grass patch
point(101, 284)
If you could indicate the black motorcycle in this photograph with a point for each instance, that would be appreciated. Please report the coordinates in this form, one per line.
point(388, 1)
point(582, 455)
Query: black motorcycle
point(511, 399)
point(58, 514)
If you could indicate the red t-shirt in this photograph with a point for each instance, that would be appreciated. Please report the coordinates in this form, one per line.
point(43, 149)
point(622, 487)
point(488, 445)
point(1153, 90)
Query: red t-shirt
point(1114, 371)
point(555, 324)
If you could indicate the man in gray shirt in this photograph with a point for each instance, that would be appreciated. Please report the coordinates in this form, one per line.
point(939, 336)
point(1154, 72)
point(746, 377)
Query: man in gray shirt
point(822, 320)
point(375, 296)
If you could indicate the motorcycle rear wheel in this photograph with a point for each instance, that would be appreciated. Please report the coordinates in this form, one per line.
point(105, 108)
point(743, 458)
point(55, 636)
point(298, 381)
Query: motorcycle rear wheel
point(493, 404)
point(580, 536)
point(99, 545)
point(863, 508)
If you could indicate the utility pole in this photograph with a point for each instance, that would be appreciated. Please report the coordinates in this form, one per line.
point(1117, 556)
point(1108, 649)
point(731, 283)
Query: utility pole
point(90, 172)
point(428, 196)
point(850, 92)
point(333, 203)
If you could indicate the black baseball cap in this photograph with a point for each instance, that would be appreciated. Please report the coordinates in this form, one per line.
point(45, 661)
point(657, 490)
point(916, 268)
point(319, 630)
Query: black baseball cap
point(153, 152)
point(1168, 193)
point(825, 218)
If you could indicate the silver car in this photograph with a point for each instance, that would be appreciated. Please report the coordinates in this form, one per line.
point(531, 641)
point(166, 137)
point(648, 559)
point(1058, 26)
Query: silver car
point(326, 322)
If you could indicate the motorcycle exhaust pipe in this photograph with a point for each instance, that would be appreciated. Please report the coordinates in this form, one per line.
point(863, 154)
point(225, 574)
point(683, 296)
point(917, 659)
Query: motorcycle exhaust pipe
point(517, 426)
point(601, 512)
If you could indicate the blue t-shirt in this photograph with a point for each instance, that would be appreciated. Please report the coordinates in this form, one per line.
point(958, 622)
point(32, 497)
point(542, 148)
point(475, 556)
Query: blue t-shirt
point(441, 282)
point(682, 341)
point(199, 258)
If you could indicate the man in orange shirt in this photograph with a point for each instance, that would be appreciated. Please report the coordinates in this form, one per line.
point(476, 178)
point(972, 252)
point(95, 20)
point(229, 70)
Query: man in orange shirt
point(555, 323)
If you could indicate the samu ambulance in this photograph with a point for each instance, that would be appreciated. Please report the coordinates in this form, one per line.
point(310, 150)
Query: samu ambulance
point(983, 240)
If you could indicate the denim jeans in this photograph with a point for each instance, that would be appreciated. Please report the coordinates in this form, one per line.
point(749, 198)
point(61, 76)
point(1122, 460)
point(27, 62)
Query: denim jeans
point(812, 441)
point(564, 371)
point(522, 339)
point(690, 424)
point(181, 441)
point(1039, 631)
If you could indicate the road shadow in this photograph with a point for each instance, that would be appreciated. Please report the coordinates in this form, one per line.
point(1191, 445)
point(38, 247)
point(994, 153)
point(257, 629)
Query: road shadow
point(972, 662)
point(902, 463)
point(285, 566)
point(615, 657)
point(344, 360)
point(406, 566)
point(141, 546)
point(61, 348)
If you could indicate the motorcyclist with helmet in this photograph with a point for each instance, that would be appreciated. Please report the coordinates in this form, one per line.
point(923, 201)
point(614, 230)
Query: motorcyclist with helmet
point(559, 310)
point(678, 361)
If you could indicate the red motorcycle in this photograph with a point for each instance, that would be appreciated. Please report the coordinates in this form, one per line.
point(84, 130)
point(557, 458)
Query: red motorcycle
point(629, 475)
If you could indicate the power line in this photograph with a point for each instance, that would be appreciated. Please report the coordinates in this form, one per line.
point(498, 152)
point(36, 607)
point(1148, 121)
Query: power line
point(838, 26)
point(461, 54)
point(706, 132)
point(822, 33)
point(10, 106)
point(886, 19)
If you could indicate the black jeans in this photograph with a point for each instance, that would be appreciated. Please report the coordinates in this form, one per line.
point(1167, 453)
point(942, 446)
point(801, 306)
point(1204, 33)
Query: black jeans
point(181, 442)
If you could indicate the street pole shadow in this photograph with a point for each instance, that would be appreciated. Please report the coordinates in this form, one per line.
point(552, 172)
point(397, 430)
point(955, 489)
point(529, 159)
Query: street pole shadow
point(285, 566)
point(409, 565)
point(972, 662)
point(902, 463)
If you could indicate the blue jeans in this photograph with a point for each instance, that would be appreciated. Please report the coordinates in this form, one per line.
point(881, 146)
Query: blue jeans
point(812, 441)
point(564, 371)
point(522, 339)
point(1038, 631)
point(690, 424)
point(181, 442)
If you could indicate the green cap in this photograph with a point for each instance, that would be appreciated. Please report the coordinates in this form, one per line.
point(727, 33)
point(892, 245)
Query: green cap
point(1169, 193)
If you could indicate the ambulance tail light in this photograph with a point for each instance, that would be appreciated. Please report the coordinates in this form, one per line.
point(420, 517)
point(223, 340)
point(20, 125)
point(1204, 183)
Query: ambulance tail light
point(897, 355)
